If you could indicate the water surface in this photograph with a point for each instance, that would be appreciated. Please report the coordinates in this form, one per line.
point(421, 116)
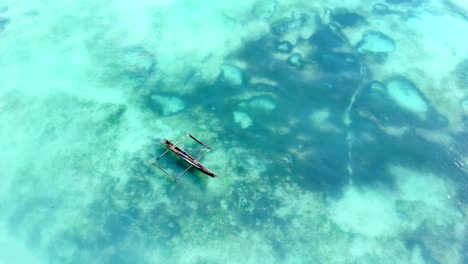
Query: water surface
point(339, 131)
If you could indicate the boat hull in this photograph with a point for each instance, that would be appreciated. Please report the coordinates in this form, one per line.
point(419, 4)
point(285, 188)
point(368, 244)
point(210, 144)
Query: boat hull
point(187, 157)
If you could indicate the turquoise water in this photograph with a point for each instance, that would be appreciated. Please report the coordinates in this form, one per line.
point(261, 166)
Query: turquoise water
point(339, 131)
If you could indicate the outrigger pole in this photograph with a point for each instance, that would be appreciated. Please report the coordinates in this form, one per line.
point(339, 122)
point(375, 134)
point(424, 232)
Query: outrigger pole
point(197, 140)
point(194, 162)
point(163, 170)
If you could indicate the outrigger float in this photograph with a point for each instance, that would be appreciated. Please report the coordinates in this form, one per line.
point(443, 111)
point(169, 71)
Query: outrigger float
point(194, 162)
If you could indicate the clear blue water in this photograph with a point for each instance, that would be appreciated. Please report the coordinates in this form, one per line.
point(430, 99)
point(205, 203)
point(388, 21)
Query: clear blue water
point(339, 131)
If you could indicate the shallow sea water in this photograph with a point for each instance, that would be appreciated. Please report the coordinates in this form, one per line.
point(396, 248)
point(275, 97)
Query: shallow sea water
point(339, 131)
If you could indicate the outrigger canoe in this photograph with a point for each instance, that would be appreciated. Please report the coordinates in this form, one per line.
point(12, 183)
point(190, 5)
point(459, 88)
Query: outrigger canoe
point(194, 162)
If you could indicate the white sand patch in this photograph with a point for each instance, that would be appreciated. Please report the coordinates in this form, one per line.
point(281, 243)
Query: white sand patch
point(363, 248)
point(258, 103)
point(309, 226)
point(296, 202)
point(14, 251)
point(137, 131)
point(320, 119)
point(62, 61)
point(264, 8)
point(366, 212)
point(296, 60)
point(263, 103)
point(243, 119)
point(231, 75)
point(244, 248)
point(376, 42)
point(312, 234)
point(187, 40)
point(365, 221)
point(379, 212)
point(439, 137)
point(428, 188)
point(197, 38)
point(169, 104)
point(464, 105)
point(405, 95)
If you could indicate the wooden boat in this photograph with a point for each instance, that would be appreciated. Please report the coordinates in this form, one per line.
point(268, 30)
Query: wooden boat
point(194, 162)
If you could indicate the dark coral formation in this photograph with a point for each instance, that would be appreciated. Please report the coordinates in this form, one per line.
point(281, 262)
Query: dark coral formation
point(285, 25)
point(3, 23)
point(328, 38)
point(347, 19)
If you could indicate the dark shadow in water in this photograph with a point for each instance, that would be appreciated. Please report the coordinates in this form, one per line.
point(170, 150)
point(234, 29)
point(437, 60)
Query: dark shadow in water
point(3, 23)
point(296, 96)
point(369, 159)
point(431, 239)
point(339, 62)
point(116, 226)
point(347, 18)
point(458, 151)
point(327, 39)
point(30, 216)
point(410, 150)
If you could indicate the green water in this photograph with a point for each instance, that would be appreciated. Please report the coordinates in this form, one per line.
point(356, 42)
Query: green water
point(338, 131)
